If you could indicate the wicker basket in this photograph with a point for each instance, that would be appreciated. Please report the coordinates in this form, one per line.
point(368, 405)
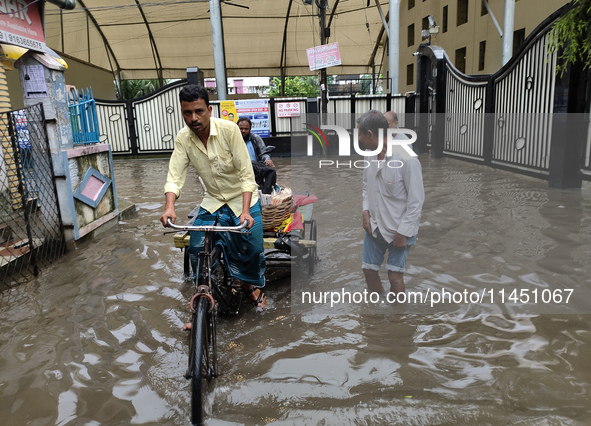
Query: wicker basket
point(273, 215)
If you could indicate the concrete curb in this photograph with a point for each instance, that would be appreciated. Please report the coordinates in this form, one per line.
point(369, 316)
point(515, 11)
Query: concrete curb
point(126, 210)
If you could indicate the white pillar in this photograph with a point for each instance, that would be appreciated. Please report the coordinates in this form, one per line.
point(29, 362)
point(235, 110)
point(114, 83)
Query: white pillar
point(393, 44)
point(508, 27)
point(219, 56)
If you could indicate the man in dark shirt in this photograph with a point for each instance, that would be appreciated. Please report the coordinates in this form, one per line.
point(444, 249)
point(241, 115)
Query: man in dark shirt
point(264, 171)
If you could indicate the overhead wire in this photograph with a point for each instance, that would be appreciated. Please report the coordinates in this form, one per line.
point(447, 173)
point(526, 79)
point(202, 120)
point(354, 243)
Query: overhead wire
point(367, 25)
point(122, 19)
point(21, 9)
point(125, 6)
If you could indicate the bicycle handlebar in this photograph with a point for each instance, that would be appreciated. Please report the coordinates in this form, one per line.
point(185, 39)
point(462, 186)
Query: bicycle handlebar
point(208, 228)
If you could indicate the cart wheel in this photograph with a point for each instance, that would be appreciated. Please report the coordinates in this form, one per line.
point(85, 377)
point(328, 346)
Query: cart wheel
point(312, 250)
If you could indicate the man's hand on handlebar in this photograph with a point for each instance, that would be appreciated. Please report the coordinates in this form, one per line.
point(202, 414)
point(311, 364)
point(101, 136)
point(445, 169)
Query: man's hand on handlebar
point(168, 214)
point(248, 217)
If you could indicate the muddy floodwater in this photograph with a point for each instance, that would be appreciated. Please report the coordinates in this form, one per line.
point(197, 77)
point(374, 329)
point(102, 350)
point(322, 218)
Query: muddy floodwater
point(97, 339)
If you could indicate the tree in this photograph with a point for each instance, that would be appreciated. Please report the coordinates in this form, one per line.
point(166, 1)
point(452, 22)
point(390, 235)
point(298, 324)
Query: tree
point(365, 84)
point(131, 89)
point(295, 86)
point(571, 36)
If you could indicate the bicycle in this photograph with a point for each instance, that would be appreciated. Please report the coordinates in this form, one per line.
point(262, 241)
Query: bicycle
point(214, 294)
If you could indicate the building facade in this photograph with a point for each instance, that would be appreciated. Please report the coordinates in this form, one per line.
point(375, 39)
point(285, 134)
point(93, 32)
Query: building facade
point(467, 32)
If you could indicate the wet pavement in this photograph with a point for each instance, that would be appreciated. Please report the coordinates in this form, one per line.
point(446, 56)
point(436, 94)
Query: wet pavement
point(97, 338)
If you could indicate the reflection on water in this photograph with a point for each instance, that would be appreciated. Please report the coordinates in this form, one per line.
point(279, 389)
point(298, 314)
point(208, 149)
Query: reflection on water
point(97, 338)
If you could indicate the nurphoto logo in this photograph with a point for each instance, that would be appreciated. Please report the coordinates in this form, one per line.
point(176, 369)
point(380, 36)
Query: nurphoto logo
point(400, 139)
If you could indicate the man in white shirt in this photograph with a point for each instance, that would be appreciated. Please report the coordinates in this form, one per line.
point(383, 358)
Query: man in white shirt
point(393, 197)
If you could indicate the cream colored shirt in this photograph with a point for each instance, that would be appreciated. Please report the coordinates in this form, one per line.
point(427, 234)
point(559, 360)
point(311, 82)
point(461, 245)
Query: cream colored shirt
point(224, 166)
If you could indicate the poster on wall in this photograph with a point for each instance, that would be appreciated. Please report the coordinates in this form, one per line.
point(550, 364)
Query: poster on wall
point(258, 112)
point(228, 111)
point(288, 109)
point(20, 24)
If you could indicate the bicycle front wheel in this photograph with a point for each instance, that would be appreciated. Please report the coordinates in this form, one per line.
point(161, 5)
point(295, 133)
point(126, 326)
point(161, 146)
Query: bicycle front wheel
point(202, 332)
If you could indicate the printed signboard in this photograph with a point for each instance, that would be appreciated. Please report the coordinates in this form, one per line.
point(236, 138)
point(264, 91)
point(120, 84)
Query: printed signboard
point(287, 109)
point(20, 24)
point(228, 109)
point(258, 112)
point(327, 55)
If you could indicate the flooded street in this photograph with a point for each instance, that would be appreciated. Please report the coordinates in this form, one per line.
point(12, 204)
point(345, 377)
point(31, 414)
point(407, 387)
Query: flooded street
point(97, 338)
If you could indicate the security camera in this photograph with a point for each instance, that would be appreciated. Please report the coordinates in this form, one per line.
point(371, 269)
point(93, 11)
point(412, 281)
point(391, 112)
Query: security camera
point(431, 21)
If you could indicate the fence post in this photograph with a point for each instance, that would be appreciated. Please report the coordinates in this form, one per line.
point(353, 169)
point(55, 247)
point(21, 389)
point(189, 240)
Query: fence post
point(569, 130)
point(273, 117)
point(489, 122)
point(133, 142)
point(409, 111)
point(421, 122)
point(439, 91)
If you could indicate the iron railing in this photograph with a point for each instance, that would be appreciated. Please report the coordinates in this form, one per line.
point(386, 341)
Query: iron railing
point(83, 116)
point(149, 124)
point(30, 222)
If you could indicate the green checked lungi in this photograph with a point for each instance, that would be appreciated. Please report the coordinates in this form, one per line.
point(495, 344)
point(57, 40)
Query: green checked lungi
point(244, 252)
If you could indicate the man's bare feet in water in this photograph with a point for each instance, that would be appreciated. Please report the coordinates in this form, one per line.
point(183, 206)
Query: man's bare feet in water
point(257, 297)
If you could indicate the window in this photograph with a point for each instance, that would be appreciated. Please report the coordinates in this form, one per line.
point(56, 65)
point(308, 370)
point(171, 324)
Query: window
point(411, 34)
point(462, 17)
point(444, 23)
point(426, 23)
point(461, 59)
point(483, 10)
point(518, 38)
point(411, 4)
point(481, 55)
point(410, 74)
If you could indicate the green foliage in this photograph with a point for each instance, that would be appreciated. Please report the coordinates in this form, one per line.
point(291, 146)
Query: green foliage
point(571, 36)
point(131, 89)
point(295, 86)
point(366, 82)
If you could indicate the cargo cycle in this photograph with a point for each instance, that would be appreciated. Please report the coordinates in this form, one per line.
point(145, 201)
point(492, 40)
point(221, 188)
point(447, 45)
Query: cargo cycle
point(217, 294)
point(214, 294)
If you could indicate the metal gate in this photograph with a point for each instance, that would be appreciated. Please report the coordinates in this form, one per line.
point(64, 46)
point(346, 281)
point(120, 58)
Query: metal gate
point(522, 118)
point(30, 223)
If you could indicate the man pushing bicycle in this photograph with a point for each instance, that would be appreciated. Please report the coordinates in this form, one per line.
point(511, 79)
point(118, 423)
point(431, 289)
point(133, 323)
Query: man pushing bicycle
point(216, 149)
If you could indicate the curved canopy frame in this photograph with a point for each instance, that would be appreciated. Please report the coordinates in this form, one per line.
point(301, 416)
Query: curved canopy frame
point(157, 39)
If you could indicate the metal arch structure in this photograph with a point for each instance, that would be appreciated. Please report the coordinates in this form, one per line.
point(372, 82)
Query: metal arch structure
point(149, 39)
point(104, 39)
point(157, 60)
